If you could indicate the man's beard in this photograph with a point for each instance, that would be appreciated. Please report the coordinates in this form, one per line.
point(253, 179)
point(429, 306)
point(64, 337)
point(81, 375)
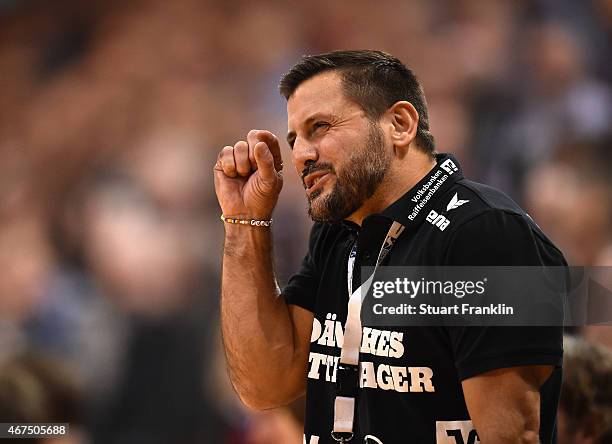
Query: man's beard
point(356, 181)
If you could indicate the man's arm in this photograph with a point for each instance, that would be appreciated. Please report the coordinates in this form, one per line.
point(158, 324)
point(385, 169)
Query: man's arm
point(502, 368)
point(266, 341)
point(504, 404)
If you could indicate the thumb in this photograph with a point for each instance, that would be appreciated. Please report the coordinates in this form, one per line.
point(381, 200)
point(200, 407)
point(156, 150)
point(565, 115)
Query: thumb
point(265, 162)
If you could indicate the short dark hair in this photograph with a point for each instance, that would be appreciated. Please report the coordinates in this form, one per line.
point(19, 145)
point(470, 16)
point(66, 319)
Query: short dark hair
point(373, 79)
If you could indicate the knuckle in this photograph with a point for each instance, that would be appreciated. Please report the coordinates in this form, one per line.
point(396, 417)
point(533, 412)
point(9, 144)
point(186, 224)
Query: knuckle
point(267, 134)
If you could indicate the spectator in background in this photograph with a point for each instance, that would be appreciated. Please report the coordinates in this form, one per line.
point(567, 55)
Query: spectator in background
point(140, 246)
point(585, 410)
point(555, 100)
point(570, 197)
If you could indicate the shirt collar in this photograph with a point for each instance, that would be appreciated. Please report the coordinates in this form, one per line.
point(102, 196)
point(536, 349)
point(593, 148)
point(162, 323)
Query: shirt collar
point(413, 206)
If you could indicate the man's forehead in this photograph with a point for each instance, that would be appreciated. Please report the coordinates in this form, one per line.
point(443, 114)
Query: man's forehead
point(322, 93)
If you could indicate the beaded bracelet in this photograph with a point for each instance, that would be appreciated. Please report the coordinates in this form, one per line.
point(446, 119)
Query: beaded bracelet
point(251, 222)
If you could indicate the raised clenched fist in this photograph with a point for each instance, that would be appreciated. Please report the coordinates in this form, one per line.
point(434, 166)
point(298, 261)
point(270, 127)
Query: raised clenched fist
point(248, 176)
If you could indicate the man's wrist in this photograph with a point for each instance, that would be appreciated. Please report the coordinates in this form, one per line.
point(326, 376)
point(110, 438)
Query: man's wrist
point(245, 241)
point(252, 222)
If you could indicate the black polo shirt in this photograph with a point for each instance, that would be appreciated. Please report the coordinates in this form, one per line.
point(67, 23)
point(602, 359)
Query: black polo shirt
point(410, 377)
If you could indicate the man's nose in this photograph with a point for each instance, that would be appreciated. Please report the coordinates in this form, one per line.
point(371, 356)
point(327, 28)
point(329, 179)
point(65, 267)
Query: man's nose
point(303, 154)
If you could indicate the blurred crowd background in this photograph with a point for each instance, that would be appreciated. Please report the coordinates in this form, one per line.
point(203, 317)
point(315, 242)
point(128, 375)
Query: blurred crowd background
point(111, 116)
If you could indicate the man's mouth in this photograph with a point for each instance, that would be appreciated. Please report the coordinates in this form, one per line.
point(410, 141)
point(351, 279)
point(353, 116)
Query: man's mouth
point(315, 180)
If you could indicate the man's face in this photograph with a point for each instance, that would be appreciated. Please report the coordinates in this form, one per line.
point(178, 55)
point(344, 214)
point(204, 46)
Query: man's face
point(338, 151)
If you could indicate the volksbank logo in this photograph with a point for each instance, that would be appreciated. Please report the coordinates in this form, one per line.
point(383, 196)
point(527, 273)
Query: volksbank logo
point(449, 166)
point(438, 220)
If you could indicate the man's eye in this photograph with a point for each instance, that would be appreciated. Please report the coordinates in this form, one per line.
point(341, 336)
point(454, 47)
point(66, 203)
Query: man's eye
point(320, 125)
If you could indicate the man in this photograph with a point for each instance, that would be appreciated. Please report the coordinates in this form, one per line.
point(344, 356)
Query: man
point(360, 141)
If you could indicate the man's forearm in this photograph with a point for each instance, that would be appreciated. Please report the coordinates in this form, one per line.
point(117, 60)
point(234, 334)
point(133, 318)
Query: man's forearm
point(504, 404)
point(257, 329)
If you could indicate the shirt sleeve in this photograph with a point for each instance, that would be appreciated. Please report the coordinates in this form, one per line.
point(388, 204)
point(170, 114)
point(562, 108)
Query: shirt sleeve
point(301, 290)
point(498, 238)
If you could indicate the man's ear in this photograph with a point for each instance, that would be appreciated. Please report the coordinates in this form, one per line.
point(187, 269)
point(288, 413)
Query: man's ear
point(404, 120)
